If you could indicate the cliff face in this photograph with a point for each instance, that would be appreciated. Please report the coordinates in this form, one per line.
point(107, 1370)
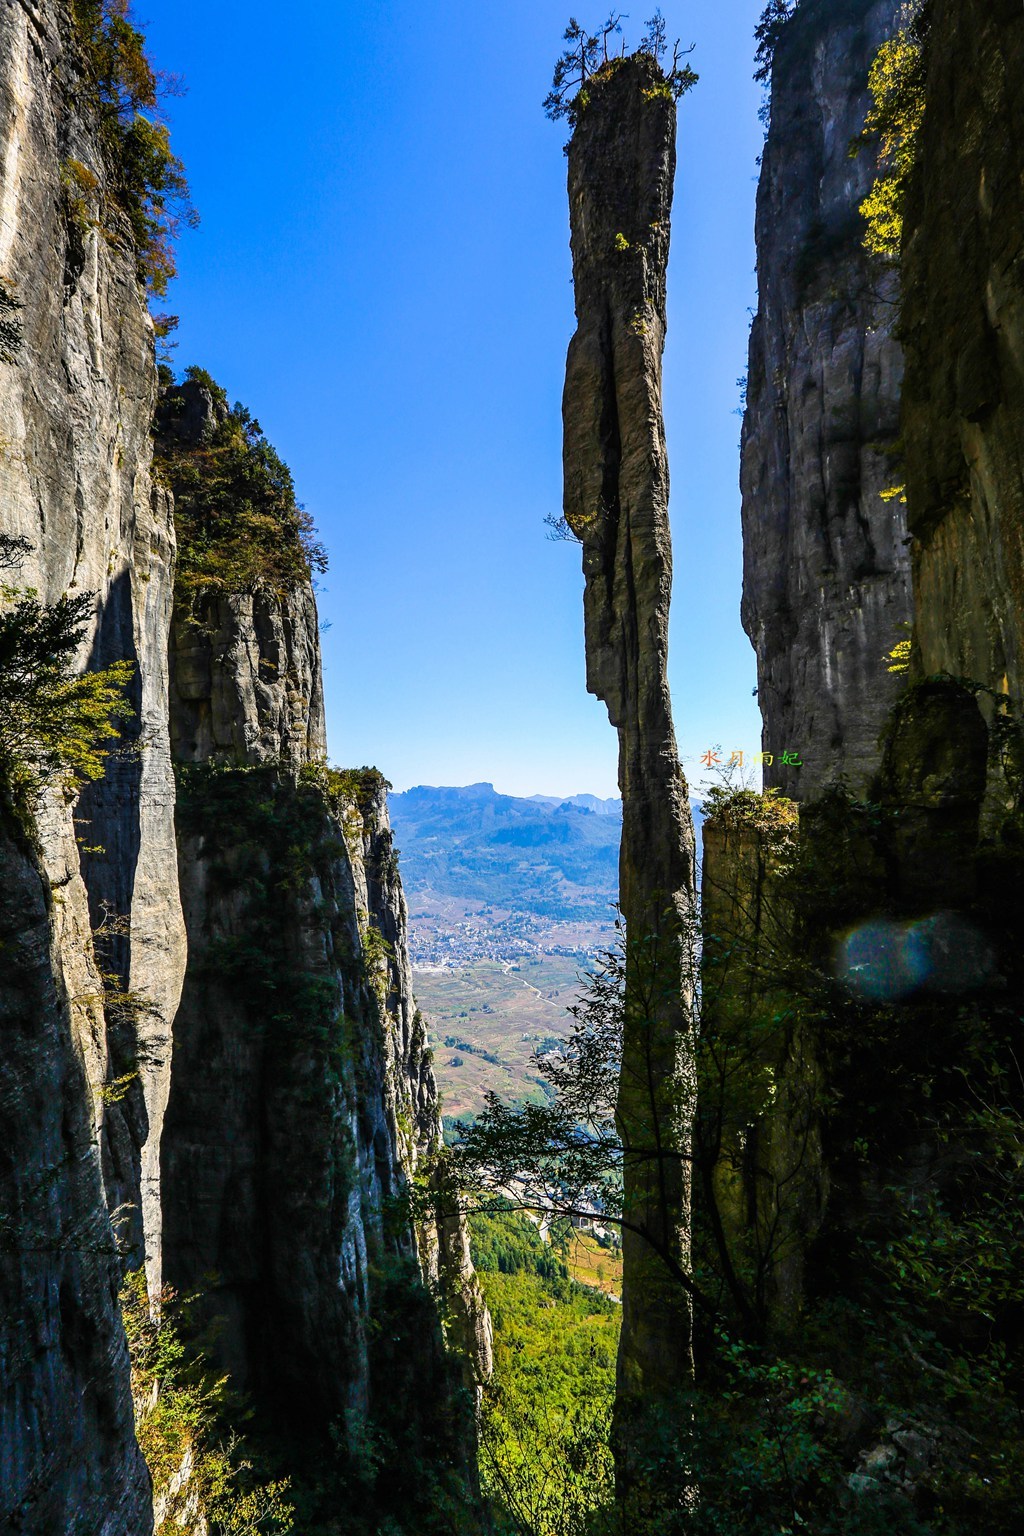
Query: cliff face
point(302, 1095)
point(621, 168)
point(301, 1091)
point(866, 980)
point(963, 324)
point(826, 583)
point(75, 412)
point(68, 1457)
point(245, 666)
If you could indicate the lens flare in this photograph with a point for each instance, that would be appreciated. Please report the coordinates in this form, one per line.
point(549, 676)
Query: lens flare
point(887, 961)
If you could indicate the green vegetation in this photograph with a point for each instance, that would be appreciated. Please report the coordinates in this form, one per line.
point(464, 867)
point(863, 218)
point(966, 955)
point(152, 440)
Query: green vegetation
point(897, 86)
point(183, 1413)
point(587, 61)
point(882, 1396)
point(544, 1457)
point(767, 33)
point(238, 523)
point(144, 176)
point(344, 787)
point(55, 723)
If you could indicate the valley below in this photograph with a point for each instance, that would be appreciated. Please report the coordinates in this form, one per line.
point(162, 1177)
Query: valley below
point(503, 924)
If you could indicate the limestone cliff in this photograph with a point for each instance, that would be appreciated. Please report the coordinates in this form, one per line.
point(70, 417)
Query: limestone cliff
point(302, 1097)
point(826, 583)
point(302, 1094)
point(76, 404)
point(963, 329)
point(621, 168)
point(868, 976)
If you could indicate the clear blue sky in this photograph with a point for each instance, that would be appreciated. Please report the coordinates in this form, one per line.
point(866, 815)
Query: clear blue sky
point(382, 275)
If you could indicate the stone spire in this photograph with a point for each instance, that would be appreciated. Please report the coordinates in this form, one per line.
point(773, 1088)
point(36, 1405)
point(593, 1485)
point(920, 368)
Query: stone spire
point(621, 167)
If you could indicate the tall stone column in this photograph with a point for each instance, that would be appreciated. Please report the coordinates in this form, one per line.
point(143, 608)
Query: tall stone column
point(621, 167)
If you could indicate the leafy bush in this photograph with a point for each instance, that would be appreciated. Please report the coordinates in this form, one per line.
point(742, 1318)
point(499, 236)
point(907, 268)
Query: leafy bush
point(182, 1415)
point(54, 723)
point(897, 86)
point(238, 523)
point(145, 177)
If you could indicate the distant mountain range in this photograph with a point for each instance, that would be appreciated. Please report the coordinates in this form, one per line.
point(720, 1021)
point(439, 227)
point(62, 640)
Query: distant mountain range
point(611, 807)
point(556, 858)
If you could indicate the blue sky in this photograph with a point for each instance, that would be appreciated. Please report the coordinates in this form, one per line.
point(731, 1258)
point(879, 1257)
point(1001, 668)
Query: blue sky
point(382, 275)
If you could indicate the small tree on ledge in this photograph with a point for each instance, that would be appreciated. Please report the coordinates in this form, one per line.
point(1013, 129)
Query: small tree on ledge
point(588, 54)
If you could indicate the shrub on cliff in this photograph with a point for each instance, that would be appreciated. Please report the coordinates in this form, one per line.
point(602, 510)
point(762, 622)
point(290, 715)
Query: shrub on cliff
point(146, 178)
point(897, 86)
point(238, 523)
point(183, 1413)
point(55, 723)
point(591, 55)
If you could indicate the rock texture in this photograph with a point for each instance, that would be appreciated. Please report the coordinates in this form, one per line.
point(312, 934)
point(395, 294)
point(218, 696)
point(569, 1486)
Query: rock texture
point(963, 325)
point(302, 1096)
point(763, 1181)
point(76, 407)
point(68, 1459)
point(246, 680)
point(826, 571)
point(621, 168)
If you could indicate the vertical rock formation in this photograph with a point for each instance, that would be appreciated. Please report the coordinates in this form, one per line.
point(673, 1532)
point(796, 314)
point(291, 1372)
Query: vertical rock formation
point(302, 1095)
point(68, 1457)
point(963, 327)
point(300, 1128)
point(763, 1184)
point(896, 970)
point(621, 168)
point(826, 572)
point(76, 407)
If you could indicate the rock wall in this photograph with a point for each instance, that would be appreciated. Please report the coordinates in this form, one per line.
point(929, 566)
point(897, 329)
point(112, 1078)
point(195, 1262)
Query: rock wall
point(302, 1093)
point(246, 683)
point(621, 169)
point(895, 969)
point(963, 326)
point(826, 571)
point(68, 1458)
point(76, 405)
point(758, 1145)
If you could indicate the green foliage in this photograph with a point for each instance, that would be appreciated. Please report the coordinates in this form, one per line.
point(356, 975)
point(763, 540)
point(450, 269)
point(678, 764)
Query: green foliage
point(507, 1243)
point(238, 523)
point(544, 1452)
point(897, 86)
point(55, 724)
point(145, 176)
point(587, 59)
point(767, 33)
point(183, 1411)
point(344, 787)
point(767, 812)
point(10, 326)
